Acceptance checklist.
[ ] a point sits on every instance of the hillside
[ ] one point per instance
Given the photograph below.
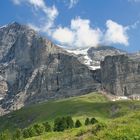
(92, 104)
(119, 114)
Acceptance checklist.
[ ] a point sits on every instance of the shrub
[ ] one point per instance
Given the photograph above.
(87, 121)
(5, 135)
(98, 127)
(47, 127)
(60, 124)
(70, 122)
(78, 124)
(39, 129)
(18, 135)
(26, 133)
(93, 121)
(35, 130)
(30, 132)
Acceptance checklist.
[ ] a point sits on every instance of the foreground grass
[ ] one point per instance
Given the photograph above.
(74, 133)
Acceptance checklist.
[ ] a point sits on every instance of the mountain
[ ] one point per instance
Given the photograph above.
(121, 75)
(33, 69)
(94, 55)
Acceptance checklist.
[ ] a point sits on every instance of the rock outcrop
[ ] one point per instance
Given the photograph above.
(121, 75)
(33, 69)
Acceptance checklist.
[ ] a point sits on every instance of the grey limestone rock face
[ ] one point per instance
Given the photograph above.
(121, 75)
(33, 69)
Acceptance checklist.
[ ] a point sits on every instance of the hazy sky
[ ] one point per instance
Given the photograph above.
(79, 23)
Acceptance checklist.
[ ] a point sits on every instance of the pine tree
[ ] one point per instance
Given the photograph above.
(18, 134)
(60, 124)
(93, 121)
(70, 122)
(78, 124)
(5, 135)
(47, 127)
(26, 133)
(39, 128)
(87, 121)
(32, 131)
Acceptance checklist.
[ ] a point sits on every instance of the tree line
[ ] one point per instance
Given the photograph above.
(60, 124)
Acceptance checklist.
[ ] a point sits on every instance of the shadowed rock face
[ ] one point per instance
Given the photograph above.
(121, 74)
(32, 69)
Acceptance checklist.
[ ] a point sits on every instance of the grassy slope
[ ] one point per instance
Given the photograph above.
(78, 107)
(90, 105)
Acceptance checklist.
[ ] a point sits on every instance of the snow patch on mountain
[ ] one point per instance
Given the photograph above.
(93, 56)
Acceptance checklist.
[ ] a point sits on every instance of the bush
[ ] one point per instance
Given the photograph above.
(5, 135)
(26, 133)
(47, 127)
(18, 135)
(78, 124)
(93, 121)
(34, 130)
(87, 121)
(29, 132)
(70, 122)
(39, 129)
(60, 124)
(98, 127)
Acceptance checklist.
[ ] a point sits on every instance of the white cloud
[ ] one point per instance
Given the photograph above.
(85, 35)
(17, 2)
(134, 0)
(37, 3)
(79, 34)
(134, 25)
(47, 21)
(116, 33)
(34, 27)
(73, 3)
(63, 35)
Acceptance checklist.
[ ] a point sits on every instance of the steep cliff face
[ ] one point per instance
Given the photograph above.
(32, 69)
(121, 75)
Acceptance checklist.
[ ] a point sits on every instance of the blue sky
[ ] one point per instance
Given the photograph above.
(79, 23)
